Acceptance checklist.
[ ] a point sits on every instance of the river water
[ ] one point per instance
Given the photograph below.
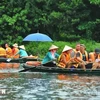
(48, 86)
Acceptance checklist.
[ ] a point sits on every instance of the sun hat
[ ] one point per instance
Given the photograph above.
(22, 47)
(53, 47)
(15, 45)
(97, 50)
(66, 48)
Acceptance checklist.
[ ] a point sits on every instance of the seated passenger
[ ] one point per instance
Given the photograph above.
(51, 57)
(15, 50)
(68, 61)
(84, 53)
(22, 52)
(8, 50)
(95, 58)
(64, 58)
(2, 52)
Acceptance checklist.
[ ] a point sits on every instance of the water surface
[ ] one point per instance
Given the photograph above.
(48, 86)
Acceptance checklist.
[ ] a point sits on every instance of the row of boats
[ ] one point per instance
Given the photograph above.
(41, 68)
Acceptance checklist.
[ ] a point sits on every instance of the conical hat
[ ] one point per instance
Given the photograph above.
(15, 45)
(66, 48)
(53, 47)
(22, 47)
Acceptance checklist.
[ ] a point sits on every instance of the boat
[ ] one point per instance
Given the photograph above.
(56, 69)
(18, 60)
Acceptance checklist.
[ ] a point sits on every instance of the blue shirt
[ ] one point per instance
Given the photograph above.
(49, 57)
(22, 53)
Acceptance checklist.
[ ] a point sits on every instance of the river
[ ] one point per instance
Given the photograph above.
(48, 86)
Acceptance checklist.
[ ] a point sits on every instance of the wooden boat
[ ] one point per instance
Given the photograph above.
(58, 70)
(18, 60)
(4, 65)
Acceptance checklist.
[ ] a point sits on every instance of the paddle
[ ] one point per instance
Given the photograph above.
(24, 70)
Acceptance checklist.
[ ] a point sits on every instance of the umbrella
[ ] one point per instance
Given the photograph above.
(37, 37)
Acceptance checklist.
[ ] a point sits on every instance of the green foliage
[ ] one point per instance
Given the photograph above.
(61, 20)
(97, 2)
(69, 37)
(41, 48)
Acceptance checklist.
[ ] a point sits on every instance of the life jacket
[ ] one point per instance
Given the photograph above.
(14, 51)
(76, 61)
(86, 55)
(75, 55)
(2, 52)
(78, 52)
(61, 62)
(92, 56)
(9, 52)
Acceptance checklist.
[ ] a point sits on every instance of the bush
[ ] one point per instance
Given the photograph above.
(41, 48)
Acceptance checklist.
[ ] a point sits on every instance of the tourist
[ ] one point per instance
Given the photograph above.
(15, 50)
(2, 52)
(64, 58)
(22, 52)
(51, 56)
(8, 50)
(94, 57)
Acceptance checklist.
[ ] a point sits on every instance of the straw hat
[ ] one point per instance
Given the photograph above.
(15, 45)
(22, 47)
(53, 47)
(66, 48)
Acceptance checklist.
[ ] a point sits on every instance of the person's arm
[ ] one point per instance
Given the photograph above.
(16, 53)
(78, 57)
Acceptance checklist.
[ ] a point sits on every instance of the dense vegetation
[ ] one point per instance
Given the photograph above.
(41, 48)
(62, 20)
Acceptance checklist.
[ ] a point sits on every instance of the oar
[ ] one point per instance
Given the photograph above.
(27, 69)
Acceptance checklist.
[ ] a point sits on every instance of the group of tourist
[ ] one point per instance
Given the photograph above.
(72, 58)
(15, 52)
(69, 57)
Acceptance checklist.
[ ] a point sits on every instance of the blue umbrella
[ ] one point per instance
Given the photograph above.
(37, 37)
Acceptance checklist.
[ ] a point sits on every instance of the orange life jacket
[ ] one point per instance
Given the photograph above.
(2, 52)
(62, 61)
(9, 52)
(75, 55)
(14, 51)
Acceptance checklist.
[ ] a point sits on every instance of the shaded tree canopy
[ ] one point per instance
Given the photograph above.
(64, 20)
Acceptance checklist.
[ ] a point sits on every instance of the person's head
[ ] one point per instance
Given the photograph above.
(53, 48)
(6, 45)
(82, 48)
(15, 45)
(67, 49)
(97, 51)
(77, 47)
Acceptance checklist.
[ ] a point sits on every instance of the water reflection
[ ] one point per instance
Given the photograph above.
(48, 86)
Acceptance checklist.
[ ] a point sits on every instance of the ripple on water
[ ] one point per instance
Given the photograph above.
(38, 86)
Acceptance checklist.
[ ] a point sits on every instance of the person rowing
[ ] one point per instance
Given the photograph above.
(49, 60)
(22, 52)
(51, 57)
